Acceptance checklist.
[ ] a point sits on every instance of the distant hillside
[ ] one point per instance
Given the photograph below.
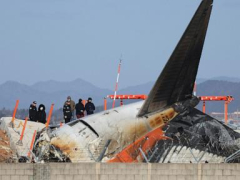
(146, 87)
(56, 92)
(49, 92)
(229, 79)
(220, 88)
(219, 78)
(76, 85)
(206, 88)
(11, 91)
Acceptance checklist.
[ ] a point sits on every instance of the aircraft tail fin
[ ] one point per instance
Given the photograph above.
(176, 82)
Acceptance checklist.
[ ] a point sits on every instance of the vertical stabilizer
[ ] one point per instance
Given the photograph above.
(176, 82)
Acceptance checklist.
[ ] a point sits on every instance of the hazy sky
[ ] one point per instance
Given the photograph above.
(68, 39)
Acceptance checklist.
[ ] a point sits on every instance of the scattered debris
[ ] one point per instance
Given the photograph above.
(14, 135)
(6, 153)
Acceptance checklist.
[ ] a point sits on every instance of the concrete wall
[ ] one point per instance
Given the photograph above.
(115, 171)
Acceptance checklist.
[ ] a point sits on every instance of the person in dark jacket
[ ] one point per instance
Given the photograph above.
(80, 109)
(72, 105)
(41, 114)
(67, 113)
(33, 111)
(90, 107)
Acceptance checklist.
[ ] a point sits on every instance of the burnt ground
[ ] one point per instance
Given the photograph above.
(6, 154)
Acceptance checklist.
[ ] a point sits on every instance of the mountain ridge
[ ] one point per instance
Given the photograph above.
(48, 92)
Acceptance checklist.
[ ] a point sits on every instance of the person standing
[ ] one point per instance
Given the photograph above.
(80, 109)
(41, 114)
(33, 111)
(90, 108)
(67, 113)
(72, 104)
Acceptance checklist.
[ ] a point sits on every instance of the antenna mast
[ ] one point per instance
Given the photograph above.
(116, 87)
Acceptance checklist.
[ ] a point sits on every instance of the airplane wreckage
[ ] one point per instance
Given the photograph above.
(154, 130)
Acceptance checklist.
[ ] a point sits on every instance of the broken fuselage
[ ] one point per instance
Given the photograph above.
(84, 139)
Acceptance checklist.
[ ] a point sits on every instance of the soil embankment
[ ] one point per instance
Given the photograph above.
(6, 154)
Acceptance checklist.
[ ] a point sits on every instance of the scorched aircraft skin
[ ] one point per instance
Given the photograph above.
(104, 135)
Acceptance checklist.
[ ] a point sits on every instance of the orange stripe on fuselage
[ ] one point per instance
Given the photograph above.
(132, 153)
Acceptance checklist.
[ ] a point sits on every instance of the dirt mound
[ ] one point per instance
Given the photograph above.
(6, 154)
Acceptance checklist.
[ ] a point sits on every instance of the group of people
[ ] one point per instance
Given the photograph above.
(37, 114)
(69, 107)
